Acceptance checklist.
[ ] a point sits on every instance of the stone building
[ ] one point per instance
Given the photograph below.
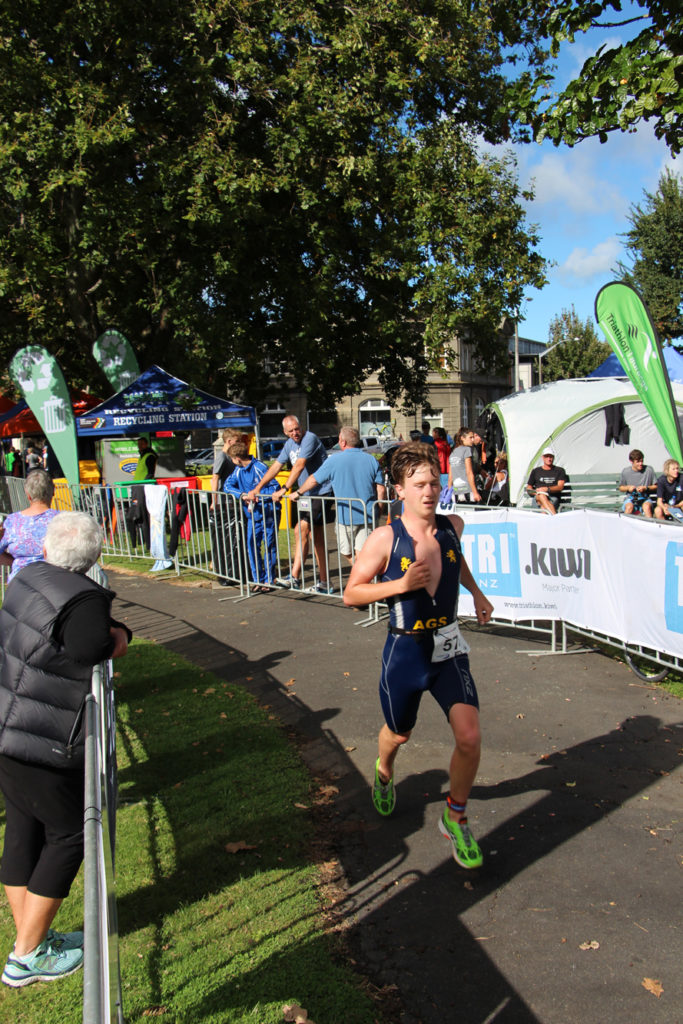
(457, 396)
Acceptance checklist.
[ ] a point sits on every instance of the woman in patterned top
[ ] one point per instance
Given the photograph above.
(23, 533)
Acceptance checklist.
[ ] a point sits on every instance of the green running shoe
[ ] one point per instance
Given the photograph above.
(463, 844)
(45, 963)
(383, 794)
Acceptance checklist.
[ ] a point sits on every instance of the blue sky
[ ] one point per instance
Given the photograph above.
(582, 199)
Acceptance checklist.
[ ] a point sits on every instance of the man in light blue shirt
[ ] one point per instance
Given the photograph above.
(356, 478)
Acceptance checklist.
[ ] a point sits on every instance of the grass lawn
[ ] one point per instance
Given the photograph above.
(219, 905)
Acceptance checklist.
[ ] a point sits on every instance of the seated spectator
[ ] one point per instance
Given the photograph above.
(496, 486)
(443, 448)
(460, 469)
(638, 484)
(55, 625)
(546, 483)
(23, 533)
(670, 492)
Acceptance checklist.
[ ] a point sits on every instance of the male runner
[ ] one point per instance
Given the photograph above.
(420, 563)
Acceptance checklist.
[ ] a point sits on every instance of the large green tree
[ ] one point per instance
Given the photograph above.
(576, 347)
(640, 80)
(229, 180)
(654, 243)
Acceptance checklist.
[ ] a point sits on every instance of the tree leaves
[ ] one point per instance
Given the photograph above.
(642, 79)
(297, 183)
(577, 351)
(653, 242)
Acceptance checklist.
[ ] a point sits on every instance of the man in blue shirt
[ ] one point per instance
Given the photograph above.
(357, 482)
(304, 452)
(261, 515)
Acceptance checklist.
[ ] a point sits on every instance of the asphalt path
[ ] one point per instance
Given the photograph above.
(578, 808)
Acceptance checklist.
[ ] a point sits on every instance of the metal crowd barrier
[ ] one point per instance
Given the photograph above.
(218, 535)
(102, 1000)
(223, 539)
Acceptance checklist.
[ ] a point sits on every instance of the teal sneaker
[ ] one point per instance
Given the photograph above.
(464, 846)
(383, 794)
(45, 963)
(321, 588)
(64, 940)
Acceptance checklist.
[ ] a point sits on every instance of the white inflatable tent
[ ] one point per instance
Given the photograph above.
(570, 416)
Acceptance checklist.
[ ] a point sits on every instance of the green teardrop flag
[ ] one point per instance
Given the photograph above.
(39, 377)
(624, 318)
(114, 353)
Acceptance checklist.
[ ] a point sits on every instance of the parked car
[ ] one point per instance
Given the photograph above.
(374, 445)
(271, 448)
(199, 461)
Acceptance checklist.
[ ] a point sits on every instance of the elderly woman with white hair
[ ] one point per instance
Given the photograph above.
(55, 625)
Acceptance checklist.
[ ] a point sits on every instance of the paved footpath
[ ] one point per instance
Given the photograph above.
(578, 807)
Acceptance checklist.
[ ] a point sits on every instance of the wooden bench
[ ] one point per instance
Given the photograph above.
(585, 490)
(593, 490)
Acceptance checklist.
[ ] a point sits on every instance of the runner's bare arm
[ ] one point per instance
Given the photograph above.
(372, 561)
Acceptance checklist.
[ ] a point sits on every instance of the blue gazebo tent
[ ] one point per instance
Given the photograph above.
(613, 368)
(157, 401)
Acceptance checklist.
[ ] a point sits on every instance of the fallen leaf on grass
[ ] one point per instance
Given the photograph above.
(238, 846)
(653, 985)
(326, 793)
(297, 1014)
(154, 1011)
(302, 807)
(590, 945)
(209, 689)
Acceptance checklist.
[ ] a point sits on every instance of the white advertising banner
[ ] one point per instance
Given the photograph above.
(608, 573)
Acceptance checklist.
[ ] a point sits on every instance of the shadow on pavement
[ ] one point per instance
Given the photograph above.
(409, 927)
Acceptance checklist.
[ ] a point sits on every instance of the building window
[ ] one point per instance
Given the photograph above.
(270, 419)
(466, 358)
(374, 415)
(465, 412)
(478, 408)
(434, 419)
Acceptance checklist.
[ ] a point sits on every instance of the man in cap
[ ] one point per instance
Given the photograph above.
(546, 483)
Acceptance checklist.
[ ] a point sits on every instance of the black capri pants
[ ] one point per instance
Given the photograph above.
(43, 827)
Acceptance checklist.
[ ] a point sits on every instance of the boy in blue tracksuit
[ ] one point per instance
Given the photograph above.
(261, 514)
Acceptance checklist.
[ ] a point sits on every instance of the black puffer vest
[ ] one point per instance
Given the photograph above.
(42, 691)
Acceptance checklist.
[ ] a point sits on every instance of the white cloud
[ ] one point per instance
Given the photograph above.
(570, 179)
(583, 264)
